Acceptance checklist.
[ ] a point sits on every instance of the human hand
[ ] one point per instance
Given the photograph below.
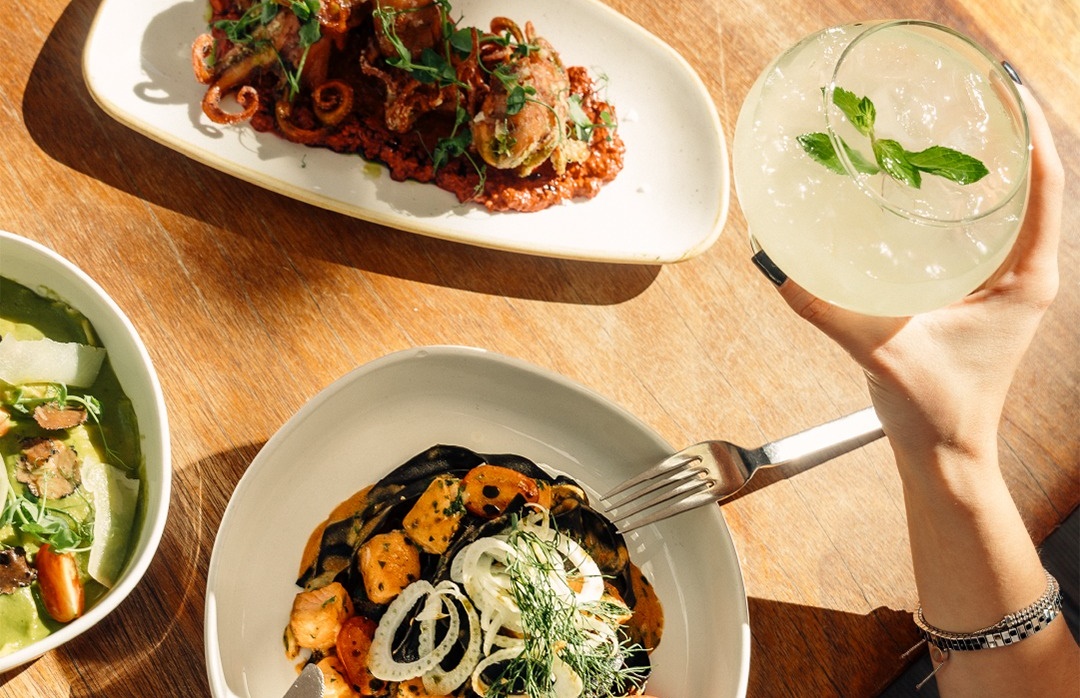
(938, 381)
(940, 378)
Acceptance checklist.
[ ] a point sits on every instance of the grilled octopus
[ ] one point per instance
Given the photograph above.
(344, 73)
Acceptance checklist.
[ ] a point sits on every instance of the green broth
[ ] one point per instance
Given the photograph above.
(25, 315)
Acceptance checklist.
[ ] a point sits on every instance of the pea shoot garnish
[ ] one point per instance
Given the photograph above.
(250, 29)
(32, 516)
(890, 156)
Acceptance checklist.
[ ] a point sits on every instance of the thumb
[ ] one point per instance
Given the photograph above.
(809, 307)
(853, 331)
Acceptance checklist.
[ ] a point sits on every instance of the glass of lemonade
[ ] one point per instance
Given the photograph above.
(884, 165)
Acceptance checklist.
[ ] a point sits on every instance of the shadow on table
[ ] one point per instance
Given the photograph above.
(157, 632)
(57, 108)
(824, 652)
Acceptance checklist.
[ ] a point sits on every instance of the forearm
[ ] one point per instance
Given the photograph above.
(974, 563)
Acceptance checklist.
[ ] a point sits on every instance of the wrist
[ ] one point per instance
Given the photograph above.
(956, 470)
(973, 558)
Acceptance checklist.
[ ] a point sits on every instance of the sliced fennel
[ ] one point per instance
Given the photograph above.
(48, 361)
(115, 498)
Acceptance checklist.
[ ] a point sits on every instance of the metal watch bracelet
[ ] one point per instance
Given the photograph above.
(1008, 631)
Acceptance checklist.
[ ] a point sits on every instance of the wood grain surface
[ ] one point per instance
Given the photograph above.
(250, 303)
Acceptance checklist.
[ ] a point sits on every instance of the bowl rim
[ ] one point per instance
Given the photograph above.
(108, 320)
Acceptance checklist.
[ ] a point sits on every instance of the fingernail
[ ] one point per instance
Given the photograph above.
(768, 268)
(1012, 72)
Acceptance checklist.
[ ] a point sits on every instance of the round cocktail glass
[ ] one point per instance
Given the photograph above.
(884, 165)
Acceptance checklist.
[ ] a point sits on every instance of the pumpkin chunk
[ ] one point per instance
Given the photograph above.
(434, 519)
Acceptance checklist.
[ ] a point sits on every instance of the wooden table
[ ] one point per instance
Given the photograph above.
(226, 281)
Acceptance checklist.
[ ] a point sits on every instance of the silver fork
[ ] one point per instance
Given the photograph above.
(714, 470)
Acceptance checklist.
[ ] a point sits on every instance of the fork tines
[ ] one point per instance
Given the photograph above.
(674, 479)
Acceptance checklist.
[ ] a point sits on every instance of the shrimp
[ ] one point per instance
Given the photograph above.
(317, 616)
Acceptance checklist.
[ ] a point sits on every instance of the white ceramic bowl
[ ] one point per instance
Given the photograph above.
(378, 415)
(44, 271)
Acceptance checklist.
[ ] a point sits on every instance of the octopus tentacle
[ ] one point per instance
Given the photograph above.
(470, 74)
(297, 134)
(332, 100)
(545, 46)
(500, 25)
(236, 75)
(247, 97)
(202, 49)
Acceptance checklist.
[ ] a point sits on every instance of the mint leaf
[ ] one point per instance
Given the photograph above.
(948, 163)
(819, 147)
(894, 159)
(859, 111)
(860, 163)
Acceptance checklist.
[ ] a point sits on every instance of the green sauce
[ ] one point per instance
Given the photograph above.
(26, 315)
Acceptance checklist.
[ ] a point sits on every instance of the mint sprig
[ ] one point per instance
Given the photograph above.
(903, 165)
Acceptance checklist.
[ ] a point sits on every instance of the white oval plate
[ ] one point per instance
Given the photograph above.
(375, 418)
(668, 204)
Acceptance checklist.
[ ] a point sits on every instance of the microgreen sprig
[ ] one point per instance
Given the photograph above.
(890, 156)
(25, 399)
(516, 93)
(243, 30)
(581, 123)
(247, 30)
(430, 67)
(30, 515)
(457, 143)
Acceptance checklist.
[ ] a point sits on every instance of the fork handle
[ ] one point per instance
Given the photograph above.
(821, 443)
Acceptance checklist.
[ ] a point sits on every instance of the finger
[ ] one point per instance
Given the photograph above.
(1036, 248)
(859, 334)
